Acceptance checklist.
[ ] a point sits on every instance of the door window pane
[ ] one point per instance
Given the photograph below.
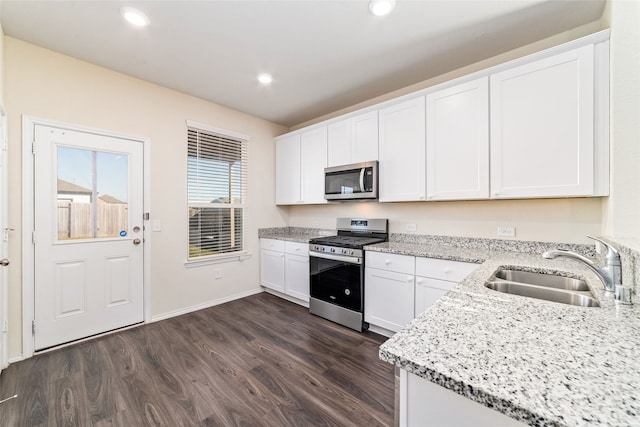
(92, 194)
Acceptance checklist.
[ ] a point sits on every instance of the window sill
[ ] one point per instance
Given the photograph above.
(239, 256)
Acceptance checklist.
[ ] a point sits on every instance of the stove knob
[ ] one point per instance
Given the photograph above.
(344, 251)
(333, 249)
(351, 252)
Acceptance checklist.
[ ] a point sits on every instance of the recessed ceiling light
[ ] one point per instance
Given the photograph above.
(265, 78)
(134, 16)
(381, 7)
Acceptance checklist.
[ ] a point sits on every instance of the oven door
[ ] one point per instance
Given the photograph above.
(337, 279)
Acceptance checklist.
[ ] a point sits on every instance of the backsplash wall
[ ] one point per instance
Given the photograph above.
(548, 220)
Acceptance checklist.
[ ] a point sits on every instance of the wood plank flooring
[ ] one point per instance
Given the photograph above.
(258, 361)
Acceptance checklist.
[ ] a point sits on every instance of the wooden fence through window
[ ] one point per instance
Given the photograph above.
(75, 221)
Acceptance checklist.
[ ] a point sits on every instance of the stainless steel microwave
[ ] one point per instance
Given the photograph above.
(351, 182)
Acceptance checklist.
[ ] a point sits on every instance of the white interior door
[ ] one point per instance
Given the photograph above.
(4, 237)
(88, 235)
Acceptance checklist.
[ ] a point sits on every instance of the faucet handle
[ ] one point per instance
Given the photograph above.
(612, 253)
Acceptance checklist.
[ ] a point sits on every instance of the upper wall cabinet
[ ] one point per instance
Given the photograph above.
(402, 151)
(458, 142)
(353, 140)
(542, 127)
(288, 170)
(300, 163)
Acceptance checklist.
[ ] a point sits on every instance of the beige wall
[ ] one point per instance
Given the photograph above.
(553, 220)
(50, 85)
(622, 209)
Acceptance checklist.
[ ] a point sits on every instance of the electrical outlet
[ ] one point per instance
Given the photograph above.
(218, 274)
(506, 231)
(156, 225)
(411, 227)
(316, 223)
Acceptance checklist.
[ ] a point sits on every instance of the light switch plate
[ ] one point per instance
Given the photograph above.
(156, 225)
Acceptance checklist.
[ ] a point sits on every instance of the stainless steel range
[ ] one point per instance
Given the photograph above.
(336, 266)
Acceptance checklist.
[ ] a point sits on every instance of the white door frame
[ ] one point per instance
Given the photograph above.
(28, 258)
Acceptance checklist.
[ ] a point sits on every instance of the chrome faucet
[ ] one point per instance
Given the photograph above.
(610, 274)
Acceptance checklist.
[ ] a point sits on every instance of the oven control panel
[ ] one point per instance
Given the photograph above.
(335, 250)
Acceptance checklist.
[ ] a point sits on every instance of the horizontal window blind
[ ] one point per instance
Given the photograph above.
(217, 187)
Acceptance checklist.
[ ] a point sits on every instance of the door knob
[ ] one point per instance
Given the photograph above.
(4, 262)
(136, 241)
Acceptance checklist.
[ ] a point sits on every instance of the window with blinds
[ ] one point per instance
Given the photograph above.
(217, 182)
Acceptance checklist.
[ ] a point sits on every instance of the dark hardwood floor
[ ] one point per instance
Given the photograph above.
(258, 361)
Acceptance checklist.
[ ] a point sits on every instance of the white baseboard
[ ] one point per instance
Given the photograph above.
(16, 359)
(204, 305)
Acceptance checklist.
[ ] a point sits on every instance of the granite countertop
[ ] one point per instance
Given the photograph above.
(543, 363)
(293, 234)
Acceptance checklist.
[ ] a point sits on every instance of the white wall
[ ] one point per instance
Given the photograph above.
(552, 220)
(622, 209)
(50, 85)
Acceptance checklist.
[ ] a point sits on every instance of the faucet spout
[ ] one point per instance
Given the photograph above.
(610, 274)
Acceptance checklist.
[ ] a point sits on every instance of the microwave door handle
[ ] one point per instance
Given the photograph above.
(362, 189)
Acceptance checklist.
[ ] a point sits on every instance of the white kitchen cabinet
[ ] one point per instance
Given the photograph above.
(542, 127)
(389, 290)
(434, 277)
(297, 270)
(300, 163)
(272, 264)
(458, 142)
(353, 140)
(402, 151)
(313, 160)
(284, 268)
(425, 403)
(288, 170)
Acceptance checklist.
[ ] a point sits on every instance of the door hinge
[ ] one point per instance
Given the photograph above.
(145, 216)
(5, 326)
(33, 327)
(5, 144)
(33, 147)
(33, 237)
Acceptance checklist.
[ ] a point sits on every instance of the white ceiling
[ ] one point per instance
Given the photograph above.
(324, 55)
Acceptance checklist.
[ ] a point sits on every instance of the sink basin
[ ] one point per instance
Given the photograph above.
(579, 298)
(542, 279)
(549, 287)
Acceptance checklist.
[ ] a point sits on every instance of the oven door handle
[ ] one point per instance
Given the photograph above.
(349, 259)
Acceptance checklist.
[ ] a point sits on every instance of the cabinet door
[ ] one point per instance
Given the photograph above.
(272, 270)
(288, 170)
(313, 155)
(297, 277)
(388, 298)
(428, 291)
(339, 143)
(458, 142)
(364, 137)
(542, 121)
(402, 151)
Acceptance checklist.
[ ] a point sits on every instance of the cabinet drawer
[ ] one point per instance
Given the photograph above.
(390, 262)
(272, 244)
(452, 271)
(295, 248)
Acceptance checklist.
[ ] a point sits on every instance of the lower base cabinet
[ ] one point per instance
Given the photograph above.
(284, 268)
(423, 403)
(398, 288)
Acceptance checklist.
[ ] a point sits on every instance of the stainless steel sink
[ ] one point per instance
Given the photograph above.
(542, 279)
(549, 287)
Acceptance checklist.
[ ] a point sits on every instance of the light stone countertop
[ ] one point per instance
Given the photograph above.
(293, 234)
(543, 363)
